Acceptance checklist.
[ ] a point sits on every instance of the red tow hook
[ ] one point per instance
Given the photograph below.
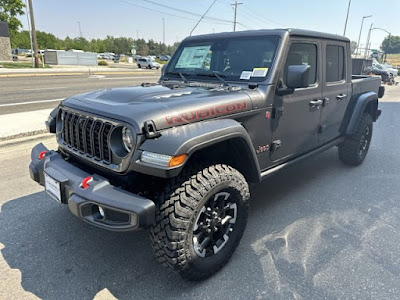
(85, 182)
(42, 154)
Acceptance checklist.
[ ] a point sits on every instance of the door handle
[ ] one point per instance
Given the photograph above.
(316, 103)
(341, 97)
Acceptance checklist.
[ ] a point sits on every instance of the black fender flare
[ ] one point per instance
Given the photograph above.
(356, 108)
(191, 138)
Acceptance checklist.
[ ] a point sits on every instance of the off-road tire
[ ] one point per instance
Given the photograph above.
(178, 209)
(354, 149)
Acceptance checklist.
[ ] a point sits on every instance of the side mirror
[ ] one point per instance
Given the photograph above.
(297, 76)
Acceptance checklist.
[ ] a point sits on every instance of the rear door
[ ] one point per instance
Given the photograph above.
(295, 131)
(336, 89)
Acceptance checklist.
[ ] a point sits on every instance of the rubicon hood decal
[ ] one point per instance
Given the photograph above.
(195, 115)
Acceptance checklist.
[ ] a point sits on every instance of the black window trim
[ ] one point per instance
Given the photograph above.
(318, 75)
(344, 80)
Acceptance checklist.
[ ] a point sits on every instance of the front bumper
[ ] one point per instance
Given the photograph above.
(124, 211)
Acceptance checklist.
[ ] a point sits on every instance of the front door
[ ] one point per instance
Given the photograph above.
(297, 116)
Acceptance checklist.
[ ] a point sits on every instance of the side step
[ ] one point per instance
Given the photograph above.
(277, 168)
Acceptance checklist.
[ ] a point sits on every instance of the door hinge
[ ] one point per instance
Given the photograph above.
(277, 112)
(276, 145)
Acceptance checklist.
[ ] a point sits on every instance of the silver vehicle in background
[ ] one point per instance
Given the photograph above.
(147, 63)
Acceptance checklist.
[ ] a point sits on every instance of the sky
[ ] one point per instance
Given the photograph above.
(144, 18)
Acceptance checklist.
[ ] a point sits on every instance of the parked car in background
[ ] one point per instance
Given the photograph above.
(164, 58)
(116, 58)
(392, 70)
(147, 63)
(378, 69)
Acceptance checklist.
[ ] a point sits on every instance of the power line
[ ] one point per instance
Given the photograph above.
(202, 17)
(169, 14)
(262, 18)
(185, 11)
(244, 26)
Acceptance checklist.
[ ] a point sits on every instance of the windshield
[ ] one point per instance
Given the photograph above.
(238, 58)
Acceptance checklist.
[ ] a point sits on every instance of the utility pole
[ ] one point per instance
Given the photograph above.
(30, 33)
(80, 31)
(235, 5)
(163, 26)
(359, 36)
(385, 57)
(34, 39)
(137, 34)
(367, 43)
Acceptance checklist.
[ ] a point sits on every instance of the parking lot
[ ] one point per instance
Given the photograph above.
(317, 230)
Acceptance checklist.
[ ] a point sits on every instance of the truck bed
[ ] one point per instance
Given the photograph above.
(361, 84)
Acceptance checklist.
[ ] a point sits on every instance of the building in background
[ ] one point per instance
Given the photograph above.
(5, 45)
(75, 58)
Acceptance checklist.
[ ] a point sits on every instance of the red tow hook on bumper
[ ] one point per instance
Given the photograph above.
(42, 154)
(86, 181)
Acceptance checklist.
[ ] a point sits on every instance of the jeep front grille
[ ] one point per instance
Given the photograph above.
(86, 135)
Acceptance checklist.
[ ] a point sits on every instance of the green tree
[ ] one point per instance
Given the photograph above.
(391, 45)
(9, 12)
(141, 47)
(48, 40)
(21, 40)
(119, 45)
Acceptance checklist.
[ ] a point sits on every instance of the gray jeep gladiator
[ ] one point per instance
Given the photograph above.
(177, 157)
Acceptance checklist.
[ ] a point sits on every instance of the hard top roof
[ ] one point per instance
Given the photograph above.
(280, 32)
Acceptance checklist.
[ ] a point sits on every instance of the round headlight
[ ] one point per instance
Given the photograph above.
(128, 138)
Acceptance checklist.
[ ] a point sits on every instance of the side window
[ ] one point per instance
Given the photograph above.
(335, 63)
(303, 54)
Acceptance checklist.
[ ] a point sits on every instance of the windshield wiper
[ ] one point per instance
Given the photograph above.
(214, 74)
(180, 74)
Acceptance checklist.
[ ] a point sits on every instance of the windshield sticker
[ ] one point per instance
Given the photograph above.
(259, 72)
(246, 75)
(193, 57)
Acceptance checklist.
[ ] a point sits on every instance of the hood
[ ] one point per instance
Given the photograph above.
(166, 106)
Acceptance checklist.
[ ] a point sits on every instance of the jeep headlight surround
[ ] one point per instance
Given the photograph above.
(123, 141)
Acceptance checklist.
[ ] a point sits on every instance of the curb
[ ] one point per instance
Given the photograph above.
(78, 73)
(25, 139)
(24, 135)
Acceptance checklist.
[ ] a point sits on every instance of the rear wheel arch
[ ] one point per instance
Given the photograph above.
(367, 102)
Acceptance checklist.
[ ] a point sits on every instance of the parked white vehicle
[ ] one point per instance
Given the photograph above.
(392, 70)
(147, 63)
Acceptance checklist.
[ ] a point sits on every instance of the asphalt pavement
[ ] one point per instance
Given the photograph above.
(21, 94)
(317, 230)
